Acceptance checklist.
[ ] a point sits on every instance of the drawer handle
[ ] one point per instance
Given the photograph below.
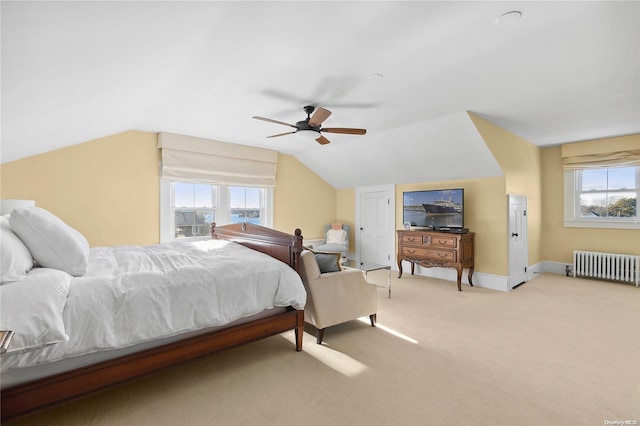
(412, 239)
(442, 242)
(442, 255)
(411, 251)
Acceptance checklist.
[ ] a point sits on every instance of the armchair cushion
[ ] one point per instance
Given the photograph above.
(336, 236)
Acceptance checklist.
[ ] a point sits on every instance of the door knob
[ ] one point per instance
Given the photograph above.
(514, 234)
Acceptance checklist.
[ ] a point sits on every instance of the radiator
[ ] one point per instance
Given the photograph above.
(607, 266)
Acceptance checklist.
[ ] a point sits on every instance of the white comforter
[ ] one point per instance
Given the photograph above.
(134, 294)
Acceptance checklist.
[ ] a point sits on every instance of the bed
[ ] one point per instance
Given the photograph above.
(30, 384)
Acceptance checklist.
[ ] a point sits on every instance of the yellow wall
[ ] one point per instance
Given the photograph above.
(521, 164)
(108, 189)
(302, 199)
(346, 213)
(481, 196)
(559, 242)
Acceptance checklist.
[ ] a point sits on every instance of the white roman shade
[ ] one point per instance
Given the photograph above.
(194, 159)
(623, 151)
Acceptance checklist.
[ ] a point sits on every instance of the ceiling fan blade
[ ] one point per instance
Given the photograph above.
(344, 130)
(322, 140)
(273, 121)
(319, 116)
(281, 134)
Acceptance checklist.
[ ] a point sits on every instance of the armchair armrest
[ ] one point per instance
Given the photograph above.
(341, 296)
(350, 278)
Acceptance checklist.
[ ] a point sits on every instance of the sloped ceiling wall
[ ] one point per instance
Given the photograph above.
(445, 148)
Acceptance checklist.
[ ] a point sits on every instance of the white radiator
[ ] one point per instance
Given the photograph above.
(608, 266)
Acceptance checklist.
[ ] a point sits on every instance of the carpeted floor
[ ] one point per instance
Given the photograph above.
(554, 351)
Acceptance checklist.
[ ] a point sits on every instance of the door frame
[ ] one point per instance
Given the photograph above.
(391, 211)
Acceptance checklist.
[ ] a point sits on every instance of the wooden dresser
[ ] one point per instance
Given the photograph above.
(433, 248)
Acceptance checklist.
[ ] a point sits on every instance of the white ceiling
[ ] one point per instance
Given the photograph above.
(405, 71)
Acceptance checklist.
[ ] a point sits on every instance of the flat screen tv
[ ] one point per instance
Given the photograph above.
(439, 208)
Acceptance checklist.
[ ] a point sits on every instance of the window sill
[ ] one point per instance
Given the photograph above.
(189, 239)
(607, 224)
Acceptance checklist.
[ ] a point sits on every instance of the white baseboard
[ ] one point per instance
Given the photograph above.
(480, 279)
(556, 267)
(312, 242)
(486, 280)
(535, 269)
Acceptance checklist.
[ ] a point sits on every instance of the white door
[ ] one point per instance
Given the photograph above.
(518, 253)
(375, 235)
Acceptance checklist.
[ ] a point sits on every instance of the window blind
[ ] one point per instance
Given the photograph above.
(622, 151)
(194, 159)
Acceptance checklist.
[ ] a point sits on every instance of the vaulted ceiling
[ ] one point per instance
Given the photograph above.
(405, 71)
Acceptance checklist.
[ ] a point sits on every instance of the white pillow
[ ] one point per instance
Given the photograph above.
(15, 259)
(336, 236)
(33, 309)
(53, 243)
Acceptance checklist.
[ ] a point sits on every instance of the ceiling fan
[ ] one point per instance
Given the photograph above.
(312, 125)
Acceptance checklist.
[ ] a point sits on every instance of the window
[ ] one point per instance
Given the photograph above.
(188, 209)
(602, 197)
(193, 209)
(245, 205)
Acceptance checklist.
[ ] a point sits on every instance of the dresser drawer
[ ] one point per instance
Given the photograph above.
(443, 241)
(411, 239)
(425, 253)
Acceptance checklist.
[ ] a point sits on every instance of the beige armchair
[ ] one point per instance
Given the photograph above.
(335, 297)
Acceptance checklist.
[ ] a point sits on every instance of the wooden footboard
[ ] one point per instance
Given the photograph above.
(43, 393)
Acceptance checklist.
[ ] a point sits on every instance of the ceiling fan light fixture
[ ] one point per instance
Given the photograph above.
(308, 134)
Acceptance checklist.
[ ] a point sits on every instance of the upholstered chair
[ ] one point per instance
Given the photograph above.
(335, 297)
(336, 239)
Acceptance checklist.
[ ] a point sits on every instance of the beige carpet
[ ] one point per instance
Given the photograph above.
(554, 351)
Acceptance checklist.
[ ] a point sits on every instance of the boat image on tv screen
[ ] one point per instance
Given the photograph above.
(443, 208)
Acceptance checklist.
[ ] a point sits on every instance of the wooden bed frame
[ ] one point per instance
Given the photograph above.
(39, 394)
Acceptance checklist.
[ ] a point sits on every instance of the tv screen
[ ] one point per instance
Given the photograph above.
(440, 208)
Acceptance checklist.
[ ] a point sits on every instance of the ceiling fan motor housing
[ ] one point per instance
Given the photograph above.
(304, 125)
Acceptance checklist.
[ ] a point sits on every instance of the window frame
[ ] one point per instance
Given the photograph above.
(572, 218)
(222, 208)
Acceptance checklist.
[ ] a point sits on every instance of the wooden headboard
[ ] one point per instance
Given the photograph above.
(279, 245)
